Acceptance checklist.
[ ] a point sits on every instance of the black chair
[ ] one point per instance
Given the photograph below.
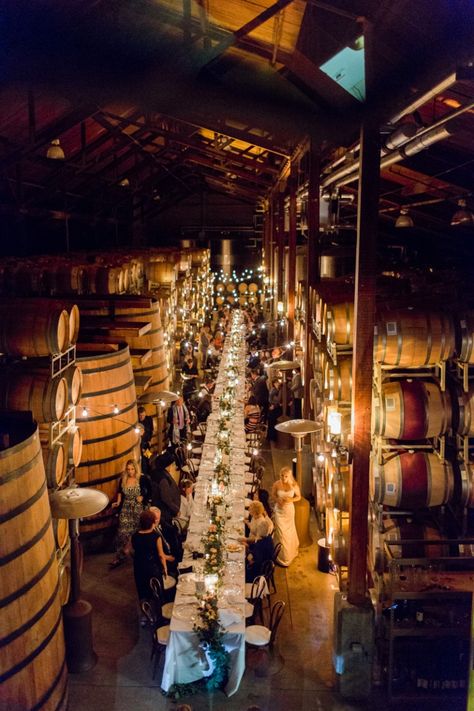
(163, 609)
(260, 635)
(160, 633)
(276, 553)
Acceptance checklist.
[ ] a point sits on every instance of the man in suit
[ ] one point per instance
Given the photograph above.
(260, 392)
(166, 493)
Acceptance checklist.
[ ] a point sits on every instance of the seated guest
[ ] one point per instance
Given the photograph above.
(167, 534)
(252, 415)
(187, 501)
(263, 496)
(259, 541)
(274, 408)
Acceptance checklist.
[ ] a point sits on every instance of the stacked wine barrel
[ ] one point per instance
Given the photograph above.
(412, 410)
(33, 669)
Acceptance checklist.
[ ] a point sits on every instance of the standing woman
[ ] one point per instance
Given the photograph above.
(149, 559)
(285, 492)
(134, 495)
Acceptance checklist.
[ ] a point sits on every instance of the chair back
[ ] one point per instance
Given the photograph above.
(177, 524)
(156, 589)
(267, 570)
(276, 551)
(180, 456)
(258, 588)
(275, 618)
(149, 613)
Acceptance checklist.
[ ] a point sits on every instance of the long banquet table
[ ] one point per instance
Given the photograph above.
(186, 661)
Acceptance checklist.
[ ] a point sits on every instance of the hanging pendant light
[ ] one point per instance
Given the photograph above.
(55, 152)
(463, 217)
(404, 219)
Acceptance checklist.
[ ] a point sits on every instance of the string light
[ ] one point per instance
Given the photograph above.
(85, 412)
(116, 410)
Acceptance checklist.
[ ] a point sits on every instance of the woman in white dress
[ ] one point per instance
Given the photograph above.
(285, 492)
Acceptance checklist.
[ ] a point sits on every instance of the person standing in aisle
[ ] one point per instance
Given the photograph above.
(178, 417)
(204, 343)
(274, 408)
(297, 391)
(260, 392)
(285, 492)
(133, 497)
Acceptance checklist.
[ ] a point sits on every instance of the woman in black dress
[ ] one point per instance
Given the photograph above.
(149, 559)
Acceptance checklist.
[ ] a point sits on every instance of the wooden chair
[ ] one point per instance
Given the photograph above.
(260, 635)
(254, 604)
(160, 634)
(165, 608)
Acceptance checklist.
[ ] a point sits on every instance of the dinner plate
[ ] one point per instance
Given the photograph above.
(186, 613)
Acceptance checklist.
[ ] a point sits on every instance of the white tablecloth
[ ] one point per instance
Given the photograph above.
(185, 660)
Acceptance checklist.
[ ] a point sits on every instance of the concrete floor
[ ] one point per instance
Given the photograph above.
(298, 675)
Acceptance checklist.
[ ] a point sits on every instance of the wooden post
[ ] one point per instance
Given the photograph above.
(281, 242)
(362, 362)
(291, 277)
(312, 264)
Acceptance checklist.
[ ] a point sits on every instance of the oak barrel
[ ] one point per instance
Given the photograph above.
(412, 410)
(61, 531)
(337, 536)
(54, 458)
(64, 583)
(33, 672)
(44, 396)
(465, 337)
(31, 328)
(339, 323)
(465, 411)
(410, 530)
(73, 446)
(413, 338)
(338, 379)
(73, 377)
(108, 439)
(412, 480)
(161, 272)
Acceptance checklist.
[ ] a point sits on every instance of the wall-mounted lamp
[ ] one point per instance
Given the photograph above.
(463, 217)
(280, 307)
(334, 422)
(404, 219)
(55, 152)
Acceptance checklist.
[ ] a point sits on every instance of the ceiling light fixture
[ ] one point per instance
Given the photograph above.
(55, 152)
(404, 219)
(463, 217)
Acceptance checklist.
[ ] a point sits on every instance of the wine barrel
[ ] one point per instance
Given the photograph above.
(242, 287)
(161, 272)
(137, 309)
(61, 531)
(64, 584)
(465, 337)
(465, 410)
(220, 300)
(44, 396)
(253, 288)
(28, 327)
(73, 446)
(108, 439)
(405, 530)
(464, 484)
(337, 536)
(220, 287)
(32, 661)
(319, 493)
(339, 486)
(413, 338)
(54, 458)
(412, 410)
(74, 324)
(338, 379)
(67, 278)
(73, 378)
(339, 323)
(412, 480)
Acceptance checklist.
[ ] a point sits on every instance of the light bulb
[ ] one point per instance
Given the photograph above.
(116, 410)
(84, 412)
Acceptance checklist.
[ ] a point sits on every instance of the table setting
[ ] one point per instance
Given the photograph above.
(207, 629)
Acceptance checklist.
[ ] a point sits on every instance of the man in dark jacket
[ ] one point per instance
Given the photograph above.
(166, 492)
(260, 392)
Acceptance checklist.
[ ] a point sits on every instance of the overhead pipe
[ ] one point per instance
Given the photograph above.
(424, 138)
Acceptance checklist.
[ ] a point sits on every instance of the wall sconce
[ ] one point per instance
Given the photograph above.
(280, 307)
(55, 152)
(334, 422)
